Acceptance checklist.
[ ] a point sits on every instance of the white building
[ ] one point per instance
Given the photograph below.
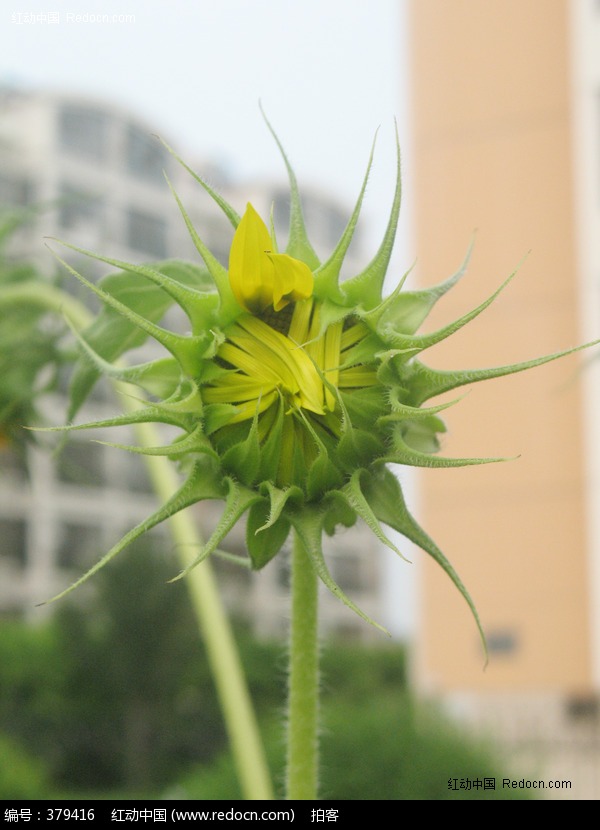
(97, 172)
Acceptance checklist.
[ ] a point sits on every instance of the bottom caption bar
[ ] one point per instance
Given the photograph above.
(89, 812)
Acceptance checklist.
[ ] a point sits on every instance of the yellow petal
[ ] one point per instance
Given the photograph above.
(293, 280)
(277, 352)
(300, 323)
(332, 338)
(259, 276)
(250, 269)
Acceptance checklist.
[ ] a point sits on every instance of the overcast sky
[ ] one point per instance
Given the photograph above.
(328, 73)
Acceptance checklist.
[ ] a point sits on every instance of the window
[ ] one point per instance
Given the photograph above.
(14, 535)
(15, 190)
(146, 233)
(324, 221)
(145, 156)
(14, 465)
(78, 207)
(81, 463)
(281, 211)
(135, 478)
(348, 572)
(78, 546)
(83, 131)
(502, 642)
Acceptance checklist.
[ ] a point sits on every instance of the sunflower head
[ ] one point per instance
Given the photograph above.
(293, 391)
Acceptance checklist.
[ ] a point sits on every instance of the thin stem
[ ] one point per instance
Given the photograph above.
(45, 296)
(303, 685)
(224, 660)
(227, 671)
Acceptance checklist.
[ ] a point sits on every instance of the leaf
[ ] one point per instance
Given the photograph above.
(389, 331)
(426, 383)
(278, 498)
(190, 445)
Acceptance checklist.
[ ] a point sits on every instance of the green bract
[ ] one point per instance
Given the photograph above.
(292, 392)
(30, 351)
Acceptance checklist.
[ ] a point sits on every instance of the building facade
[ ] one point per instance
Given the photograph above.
(505, 142)
(95, 176)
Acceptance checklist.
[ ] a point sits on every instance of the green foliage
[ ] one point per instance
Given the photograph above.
(22, 776)
(397, 751)
(29, 344)
(114, 695)
(115, 692)
(381, 745)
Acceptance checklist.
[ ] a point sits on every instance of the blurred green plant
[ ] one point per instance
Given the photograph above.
(33, 310)
(114, 696)
(115, 690)
(31, 343)
(23, 776)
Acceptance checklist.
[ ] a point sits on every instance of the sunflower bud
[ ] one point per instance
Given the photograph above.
(293, 392)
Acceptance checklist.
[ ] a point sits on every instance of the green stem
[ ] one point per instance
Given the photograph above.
(45, 296)
(226, 667)
(303, 686)
(214, 626)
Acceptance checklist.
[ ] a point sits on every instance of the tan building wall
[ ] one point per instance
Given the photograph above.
(492, 151)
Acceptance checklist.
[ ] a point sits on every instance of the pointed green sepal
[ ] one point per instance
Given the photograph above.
(238, 500)
(354, 495)
(309, 525)
(203, 483)
(227, 209)
(402, 453)
(264, 539)
(298, 245)
(327, 275)
(193, 444)
(365, 289)
(384, 494)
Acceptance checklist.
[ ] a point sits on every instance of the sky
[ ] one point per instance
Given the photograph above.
(329, 75)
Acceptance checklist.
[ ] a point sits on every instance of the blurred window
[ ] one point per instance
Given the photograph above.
(134, 476)
(79, 207)
(146, 233)
(84, 131)
(13, 533)
(502, 642)
(15, 190)
(145, 156)
(323, 220)
(81, 463)
(78, 546)
(347, 570)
